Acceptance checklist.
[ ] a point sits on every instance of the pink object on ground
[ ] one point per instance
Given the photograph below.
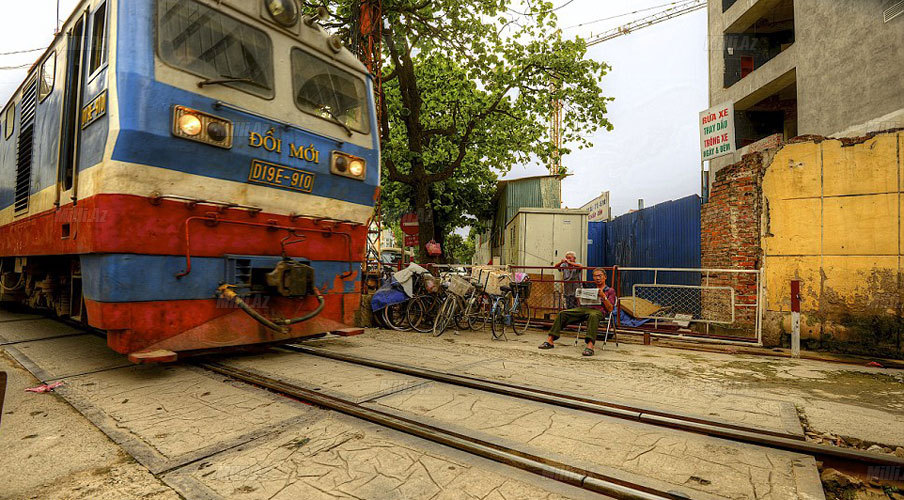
(44, 388)
(875, 364)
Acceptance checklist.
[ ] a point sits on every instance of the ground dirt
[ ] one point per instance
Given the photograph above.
(48, 450)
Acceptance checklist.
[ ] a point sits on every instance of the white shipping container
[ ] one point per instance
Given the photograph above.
(541, 236)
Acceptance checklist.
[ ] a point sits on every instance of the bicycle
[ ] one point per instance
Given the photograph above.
(476, 306)
(511, 309)
(452, 307)
(422, 308)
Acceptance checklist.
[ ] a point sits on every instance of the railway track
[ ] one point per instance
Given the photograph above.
(543, 466)
(689, 423)
(850, 460)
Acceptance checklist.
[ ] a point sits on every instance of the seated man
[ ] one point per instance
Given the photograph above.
(591, 314)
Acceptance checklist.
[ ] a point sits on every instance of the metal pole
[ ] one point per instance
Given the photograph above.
(795, 318)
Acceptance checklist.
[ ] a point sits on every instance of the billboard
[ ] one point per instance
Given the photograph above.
(717, 131)
(599, 208)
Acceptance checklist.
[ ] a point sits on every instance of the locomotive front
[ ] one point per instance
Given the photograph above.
(242, 170)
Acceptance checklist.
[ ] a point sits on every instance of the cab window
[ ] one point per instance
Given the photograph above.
(214, 46)
(9, 120)
(324, 90)
(48, 75)
(98, 39)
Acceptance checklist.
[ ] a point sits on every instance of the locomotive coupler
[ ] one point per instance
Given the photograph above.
(291, 278)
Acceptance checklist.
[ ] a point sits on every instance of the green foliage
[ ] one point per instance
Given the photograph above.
(458, 249)
(468, 93)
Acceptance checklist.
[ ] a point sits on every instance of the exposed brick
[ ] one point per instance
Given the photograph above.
(730, 236)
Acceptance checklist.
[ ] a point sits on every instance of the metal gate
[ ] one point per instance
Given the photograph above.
(720, 304)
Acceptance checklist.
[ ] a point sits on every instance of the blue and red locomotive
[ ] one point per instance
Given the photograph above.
(189, 174)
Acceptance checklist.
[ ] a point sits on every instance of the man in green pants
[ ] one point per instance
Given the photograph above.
(591, 314)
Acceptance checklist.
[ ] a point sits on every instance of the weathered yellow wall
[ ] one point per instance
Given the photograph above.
(833, 219)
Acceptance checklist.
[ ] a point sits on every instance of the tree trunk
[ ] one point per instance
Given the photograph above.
(425, 220)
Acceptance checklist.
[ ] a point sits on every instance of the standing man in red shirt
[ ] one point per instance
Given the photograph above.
(592, 314)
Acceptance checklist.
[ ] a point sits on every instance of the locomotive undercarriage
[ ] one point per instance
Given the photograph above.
(47, 284)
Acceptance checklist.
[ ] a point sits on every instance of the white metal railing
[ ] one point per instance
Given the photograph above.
(722, 297)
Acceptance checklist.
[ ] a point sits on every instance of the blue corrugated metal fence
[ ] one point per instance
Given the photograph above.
(664, 235)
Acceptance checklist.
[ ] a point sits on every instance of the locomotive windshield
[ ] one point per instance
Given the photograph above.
(210, 44)
(329, 92)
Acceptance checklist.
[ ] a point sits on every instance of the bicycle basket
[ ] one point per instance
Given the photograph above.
(522, 289)
(459, 286)
(496, 281)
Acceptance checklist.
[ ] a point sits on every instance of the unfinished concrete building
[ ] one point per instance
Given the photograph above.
(802, 67)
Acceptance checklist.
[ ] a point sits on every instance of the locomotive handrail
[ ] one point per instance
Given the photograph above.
(271, 225)
(193, 202)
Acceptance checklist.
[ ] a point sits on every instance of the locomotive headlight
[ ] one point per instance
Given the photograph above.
(197, 126)
(190, 125)
(356, 168)
(347, 165)
(285, 12)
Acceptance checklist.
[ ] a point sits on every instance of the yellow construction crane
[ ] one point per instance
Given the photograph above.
(669, 11)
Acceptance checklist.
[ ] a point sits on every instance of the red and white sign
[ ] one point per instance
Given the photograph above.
(409, 224)
(717, 131)
(411, 240)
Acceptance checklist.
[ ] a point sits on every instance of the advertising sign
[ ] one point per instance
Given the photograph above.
(717, 131)
(599, 208)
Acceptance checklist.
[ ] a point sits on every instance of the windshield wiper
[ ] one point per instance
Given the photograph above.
(232, 79)
(327, 110)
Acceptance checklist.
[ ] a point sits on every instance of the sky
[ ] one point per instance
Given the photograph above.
(658, 79)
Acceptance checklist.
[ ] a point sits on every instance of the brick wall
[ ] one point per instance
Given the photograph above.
(730, 239)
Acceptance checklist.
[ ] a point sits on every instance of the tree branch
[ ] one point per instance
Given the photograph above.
(447, 172)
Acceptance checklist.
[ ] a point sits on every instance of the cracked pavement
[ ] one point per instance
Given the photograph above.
(338, 457)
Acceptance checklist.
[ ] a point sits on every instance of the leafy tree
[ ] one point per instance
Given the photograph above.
(458, 249)
(468, 94)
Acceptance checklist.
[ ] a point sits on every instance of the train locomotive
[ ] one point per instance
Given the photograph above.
(188, 175)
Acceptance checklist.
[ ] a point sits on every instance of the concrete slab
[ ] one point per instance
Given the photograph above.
(59, 358)
(870, 425)
(699, 382)
(48, 450)
(167, 416)
(27, 330)
(408, 349)
(699, 464)
(350, 381)
(340, 457)
(578, 377)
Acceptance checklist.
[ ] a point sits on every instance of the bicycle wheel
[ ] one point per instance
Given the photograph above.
(521, 317)
(479, 312)
(461, 318)
(396, 317)
(444, 316)
(421, 312)
(497, 319)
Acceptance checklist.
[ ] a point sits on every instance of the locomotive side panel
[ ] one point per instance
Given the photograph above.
(168, 240)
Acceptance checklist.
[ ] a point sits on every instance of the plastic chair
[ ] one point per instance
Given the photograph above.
(610, 326)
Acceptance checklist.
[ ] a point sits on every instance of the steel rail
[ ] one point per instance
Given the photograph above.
(688, 423)
(542, 466)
